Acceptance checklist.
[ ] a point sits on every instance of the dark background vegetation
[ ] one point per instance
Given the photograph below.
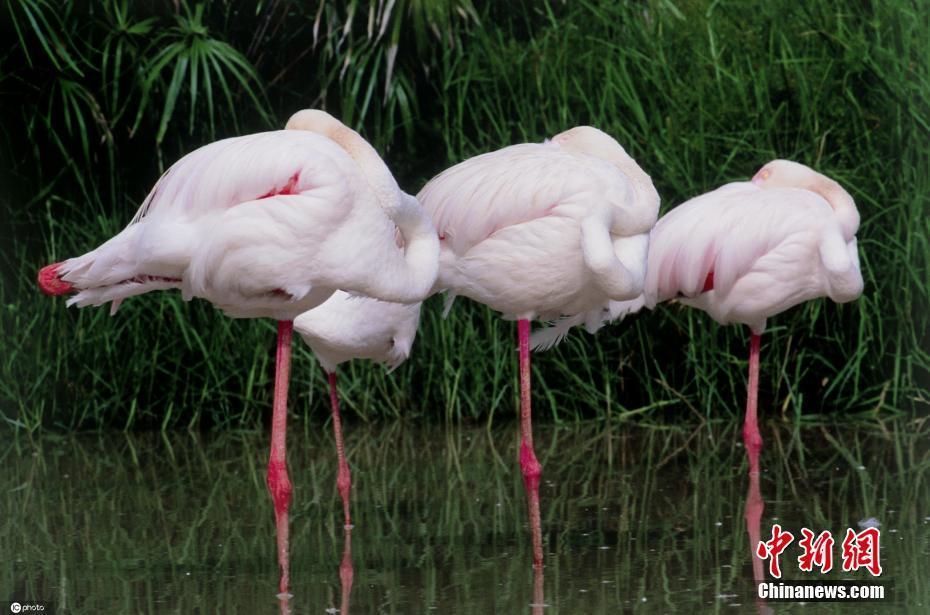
(98, 97)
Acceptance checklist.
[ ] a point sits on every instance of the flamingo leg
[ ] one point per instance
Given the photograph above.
(751, 437)
(344, 477)
(528, 463)
(279, 484)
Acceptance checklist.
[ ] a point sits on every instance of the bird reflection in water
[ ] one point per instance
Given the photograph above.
(284, 602)
(346, 578)
(754, 509)
(346, 572)
(539, 602)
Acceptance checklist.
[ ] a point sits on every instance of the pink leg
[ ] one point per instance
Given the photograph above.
(528, 463)
(278, 482)
(751, 437)
(344, 478)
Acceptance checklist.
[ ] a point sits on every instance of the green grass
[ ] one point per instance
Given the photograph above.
(700, 93)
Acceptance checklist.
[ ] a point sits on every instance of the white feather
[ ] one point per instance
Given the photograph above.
(547, 337)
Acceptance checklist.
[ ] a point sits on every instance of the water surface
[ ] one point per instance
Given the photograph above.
(634, 519)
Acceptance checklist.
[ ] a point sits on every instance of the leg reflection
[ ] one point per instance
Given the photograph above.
(284, 604)
(754, 508)
(539, 601)
(346, 572)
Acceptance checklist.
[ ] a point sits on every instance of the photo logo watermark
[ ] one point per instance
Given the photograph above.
(859, 550)
(820, 591)
(17, 607)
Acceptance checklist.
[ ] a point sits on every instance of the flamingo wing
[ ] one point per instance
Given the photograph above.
(245, 212)
(474, 199)
(225, 173)
(710, 241)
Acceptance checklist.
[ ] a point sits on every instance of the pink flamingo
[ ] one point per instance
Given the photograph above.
(750, 250)
(266, 226)
(540, 231)
(346, 328)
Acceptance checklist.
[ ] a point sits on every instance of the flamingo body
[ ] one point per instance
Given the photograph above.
(765, 248)
(515, 225)
(265, 225)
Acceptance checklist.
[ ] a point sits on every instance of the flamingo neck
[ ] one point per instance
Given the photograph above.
(374, 169)
(844, 208)
(645, 194)
(372, 166)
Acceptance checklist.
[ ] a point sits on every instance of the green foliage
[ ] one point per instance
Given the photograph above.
(360, 51)
(188, 53)
(700, 93)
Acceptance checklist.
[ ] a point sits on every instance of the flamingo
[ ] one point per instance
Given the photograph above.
(542, 230)
(347, 327)
(748, 251)
(267, 225)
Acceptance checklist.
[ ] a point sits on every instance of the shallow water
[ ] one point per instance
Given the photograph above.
(635, 520)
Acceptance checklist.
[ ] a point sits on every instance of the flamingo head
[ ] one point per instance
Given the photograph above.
(404, 336)
(593, 142)
(590, 140)
(784, 174)
(314, 120)
(399, 351)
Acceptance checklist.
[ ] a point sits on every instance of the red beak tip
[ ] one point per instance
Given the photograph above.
(50, 283)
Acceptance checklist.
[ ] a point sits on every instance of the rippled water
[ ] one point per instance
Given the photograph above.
(644, 520)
